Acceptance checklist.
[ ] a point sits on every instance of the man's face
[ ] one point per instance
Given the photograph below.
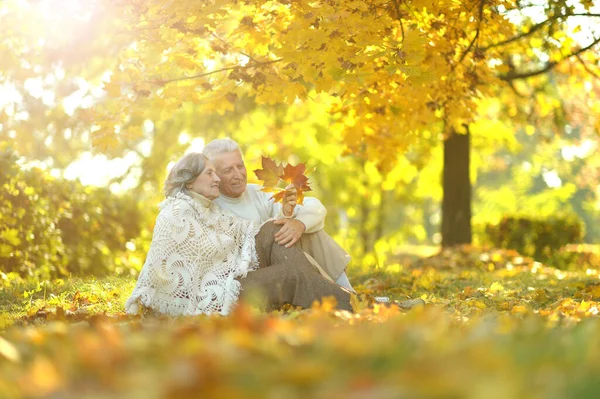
(232, 171)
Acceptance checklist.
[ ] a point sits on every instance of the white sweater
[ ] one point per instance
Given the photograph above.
(254, 204)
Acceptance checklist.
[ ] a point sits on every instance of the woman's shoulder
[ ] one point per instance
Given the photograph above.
(175, 205)
(173, 202)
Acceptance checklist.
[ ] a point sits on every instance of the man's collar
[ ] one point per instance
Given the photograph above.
(232, 200)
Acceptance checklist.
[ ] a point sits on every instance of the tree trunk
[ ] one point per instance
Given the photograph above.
(456, 206)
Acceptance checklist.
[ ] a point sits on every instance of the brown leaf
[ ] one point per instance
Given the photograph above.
(295, 175)
(278, 196)
(272, 174)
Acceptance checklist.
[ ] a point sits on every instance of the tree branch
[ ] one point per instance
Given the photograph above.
(535, 28)
(396, 8)
(511, 84)
(239, 52)
(462, 57)
(399, 15)
(163, 82)
(587, 68)
(513, 75)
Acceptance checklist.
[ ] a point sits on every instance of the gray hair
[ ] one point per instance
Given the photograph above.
(220, 146)
(184, 172)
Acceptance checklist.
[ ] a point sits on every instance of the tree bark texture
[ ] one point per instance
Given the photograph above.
(456, 205)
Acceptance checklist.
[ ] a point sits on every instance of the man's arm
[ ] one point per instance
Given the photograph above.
(306, 218)
(312, 213)
(292, 228)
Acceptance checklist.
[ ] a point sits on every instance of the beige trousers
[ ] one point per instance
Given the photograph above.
(286, 276)
(329, 255)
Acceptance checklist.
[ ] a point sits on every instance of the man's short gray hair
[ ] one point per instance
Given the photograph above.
(184, 172)
(220, 146)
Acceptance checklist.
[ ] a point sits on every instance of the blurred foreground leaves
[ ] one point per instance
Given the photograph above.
(498, 325)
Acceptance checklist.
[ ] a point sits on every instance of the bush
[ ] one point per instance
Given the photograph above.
(54, 227)
(577, 257)
(29, 235)
(539, 238)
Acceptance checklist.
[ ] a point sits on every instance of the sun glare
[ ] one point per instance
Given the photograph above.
(98, 170)
(70, 11)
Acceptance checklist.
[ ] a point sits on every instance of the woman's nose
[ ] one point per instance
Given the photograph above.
(216, 178)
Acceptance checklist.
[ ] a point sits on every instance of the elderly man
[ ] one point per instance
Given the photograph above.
(304, 228)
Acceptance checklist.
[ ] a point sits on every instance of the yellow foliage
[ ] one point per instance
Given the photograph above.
(418, 70)
(496, 287)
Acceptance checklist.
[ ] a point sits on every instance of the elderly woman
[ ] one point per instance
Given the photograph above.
(203, 258)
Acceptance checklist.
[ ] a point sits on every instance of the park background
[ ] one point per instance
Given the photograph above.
(455, 145)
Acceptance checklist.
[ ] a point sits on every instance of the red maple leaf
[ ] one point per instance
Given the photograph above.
(278, 196)
(275, 178)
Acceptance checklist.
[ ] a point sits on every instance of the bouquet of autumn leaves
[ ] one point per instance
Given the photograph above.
(277, 179)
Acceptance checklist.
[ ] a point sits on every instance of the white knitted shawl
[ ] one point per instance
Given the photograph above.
(195, 255)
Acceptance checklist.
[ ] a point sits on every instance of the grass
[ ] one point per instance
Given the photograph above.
(22, 299)
(497, 325)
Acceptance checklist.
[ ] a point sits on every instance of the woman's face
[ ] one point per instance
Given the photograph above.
(207, 182)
